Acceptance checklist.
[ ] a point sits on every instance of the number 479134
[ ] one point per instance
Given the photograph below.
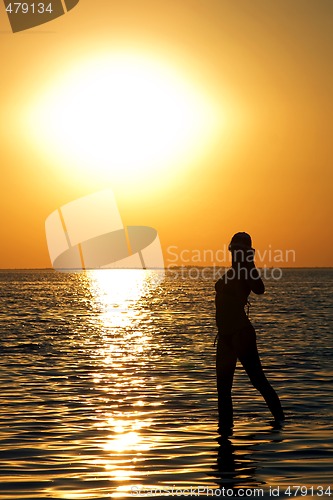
(25, 8)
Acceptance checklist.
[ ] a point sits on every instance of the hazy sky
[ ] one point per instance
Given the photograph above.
(257, 79)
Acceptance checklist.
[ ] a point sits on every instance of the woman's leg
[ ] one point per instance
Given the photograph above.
(249, 357)
(226, 360)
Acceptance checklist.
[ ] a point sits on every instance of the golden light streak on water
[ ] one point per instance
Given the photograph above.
(115, 293)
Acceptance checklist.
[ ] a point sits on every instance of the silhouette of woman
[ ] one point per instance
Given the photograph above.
(236, 335)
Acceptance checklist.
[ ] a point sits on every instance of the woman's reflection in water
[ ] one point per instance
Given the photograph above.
(238, 463)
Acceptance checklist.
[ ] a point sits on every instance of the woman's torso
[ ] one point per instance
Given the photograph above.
(231, 298)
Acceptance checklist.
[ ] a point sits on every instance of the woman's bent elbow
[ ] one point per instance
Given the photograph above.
(258, 288)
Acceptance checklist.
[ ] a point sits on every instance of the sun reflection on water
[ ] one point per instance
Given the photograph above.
(114, 291)
(119, 296)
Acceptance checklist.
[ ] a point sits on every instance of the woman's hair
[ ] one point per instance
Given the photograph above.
(241, 248)
(240, 241)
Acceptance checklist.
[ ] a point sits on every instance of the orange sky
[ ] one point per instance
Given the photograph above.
(266, 68)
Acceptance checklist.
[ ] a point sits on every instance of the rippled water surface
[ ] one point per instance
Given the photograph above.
(108, 387)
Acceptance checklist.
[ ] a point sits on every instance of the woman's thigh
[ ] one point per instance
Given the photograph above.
(248, 355)
(226, 359)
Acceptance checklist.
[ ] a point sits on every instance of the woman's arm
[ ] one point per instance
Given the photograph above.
(254, 280)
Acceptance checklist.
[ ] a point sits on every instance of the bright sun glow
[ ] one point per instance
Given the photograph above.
(123, 115)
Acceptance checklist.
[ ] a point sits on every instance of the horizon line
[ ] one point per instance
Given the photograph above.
(152, 269)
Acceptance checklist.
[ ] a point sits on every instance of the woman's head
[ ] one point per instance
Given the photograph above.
(240, 247)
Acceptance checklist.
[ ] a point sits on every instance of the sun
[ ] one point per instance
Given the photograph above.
(122, 115)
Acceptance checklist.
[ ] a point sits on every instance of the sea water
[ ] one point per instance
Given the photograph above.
(108, 388)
